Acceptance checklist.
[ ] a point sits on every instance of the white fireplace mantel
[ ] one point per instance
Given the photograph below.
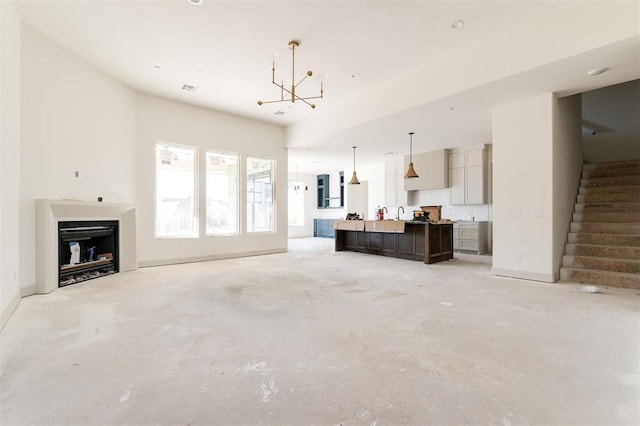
(50, 212)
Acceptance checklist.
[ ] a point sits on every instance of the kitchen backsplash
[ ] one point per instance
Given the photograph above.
(441, 198)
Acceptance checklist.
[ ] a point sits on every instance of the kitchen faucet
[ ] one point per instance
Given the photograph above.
(398, 214)
(384, 210)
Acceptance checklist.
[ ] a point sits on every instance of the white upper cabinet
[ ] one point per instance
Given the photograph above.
(468, 175)
(432, 169)
(394, 193)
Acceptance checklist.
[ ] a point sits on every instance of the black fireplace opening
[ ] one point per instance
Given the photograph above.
(87, 250)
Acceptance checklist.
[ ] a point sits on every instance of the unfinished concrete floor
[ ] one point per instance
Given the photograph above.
(318, 337)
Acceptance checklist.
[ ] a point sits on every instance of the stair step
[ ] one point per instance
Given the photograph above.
(607, 197)
(606, 228)
(607, 207)
(610, 172)
(611, 181)
(630, 266)
(611, 165)
(608, 239)
(608, 189)
(597, 250)
(603, 278)
(607, 217)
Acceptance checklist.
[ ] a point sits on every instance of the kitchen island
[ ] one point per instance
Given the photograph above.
(406, 239)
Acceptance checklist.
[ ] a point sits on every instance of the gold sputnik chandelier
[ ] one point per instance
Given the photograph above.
(287, 95)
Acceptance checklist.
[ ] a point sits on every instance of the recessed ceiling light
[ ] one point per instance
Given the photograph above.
(196, 2)
(454, 108)
(157, 66)
(457, 24)
(598, 71)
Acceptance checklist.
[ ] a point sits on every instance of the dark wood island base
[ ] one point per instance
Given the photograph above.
(424, 241)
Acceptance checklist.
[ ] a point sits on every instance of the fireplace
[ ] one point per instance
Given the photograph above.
(109, 227)
(87, 250)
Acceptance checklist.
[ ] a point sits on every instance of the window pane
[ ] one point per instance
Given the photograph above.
(222, 193)
(176, 214)
(296, 203)
(260, 194)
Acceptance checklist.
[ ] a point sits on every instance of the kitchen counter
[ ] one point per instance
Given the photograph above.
(406, 239)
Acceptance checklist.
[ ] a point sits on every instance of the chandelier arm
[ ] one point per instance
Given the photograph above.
(289, 92)
(305, 101)
(303, 79)
(276, 101)
(298, 97)
(282, 89)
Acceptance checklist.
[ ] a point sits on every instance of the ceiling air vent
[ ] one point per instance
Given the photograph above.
(189, 88)
(279, 113)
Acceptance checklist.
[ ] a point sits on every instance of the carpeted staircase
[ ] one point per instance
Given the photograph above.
(603, 247)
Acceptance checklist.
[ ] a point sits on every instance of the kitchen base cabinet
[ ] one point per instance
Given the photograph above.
(440, 243)
(426, 242)
(471, 236)
(323, 228)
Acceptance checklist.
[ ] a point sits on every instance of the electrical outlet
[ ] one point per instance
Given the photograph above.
(519, 257)
(538, 213)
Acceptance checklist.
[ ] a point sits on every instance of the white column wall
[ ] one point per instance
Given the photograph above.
(9, 158)
(74, 118)
(523, 189)
(173, 122)
(567, 168)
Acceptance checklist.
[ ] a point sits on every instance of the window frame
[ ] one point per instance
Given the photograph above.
(274, 176)
(196, 190)
(238, 192)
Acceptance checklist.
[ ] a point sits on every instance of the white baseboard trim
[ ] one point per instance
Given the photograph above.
(163, 262)
(8, 311)
(28, 290)
(526, 275)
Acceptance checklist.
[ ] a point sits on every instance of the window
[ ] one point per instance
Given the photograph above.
(296, 203)
(176, 201)
(222, 193)
(260, 194)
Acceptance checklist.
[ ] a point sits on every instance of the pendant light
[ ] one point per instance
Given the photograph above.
(411, 173)
(354, 179)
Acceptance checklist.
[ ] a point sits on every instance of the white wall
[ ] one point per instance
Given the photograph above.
(310, 204)
(523, 189)
(614, 112)
(168, 121)
(567, 168)
(375, 177)
(9, 158)
(74, 118)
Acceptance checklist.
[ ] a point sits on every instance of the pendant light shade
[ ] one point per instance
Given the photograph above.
(354, 179)
(411, 173)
